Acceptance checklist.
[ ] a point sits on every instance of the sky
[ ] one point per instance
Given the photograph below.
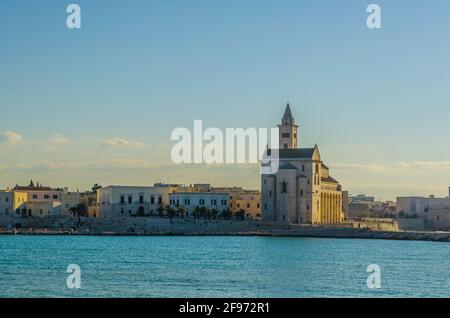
(98, 104)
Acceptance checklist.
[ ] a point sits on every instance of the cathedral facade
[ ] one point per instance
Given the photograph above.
(302, 190)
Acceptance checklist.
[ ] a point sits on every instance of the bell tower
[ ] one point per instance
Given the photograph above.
(288, 130)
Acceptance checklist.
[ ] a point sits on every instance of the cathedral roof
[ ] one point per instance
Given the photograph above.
(287, 112)
(302, 153)
(287, 165)
(329, 179)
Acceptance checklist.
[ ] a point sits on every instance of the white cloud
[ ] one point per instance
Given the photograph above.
(10, 138)
(58, 139)
(121, 142)
(398, 166)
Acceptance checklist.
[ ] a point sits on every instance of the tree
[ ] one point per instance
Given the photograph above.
(79, 210)
(181, 212)
(95, 187)
(171, 212)
(160, 210)
(240, 215)
(196, 212)
(226, 214)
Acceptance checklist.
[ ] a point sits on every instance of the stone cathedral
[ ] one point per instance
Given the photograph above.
(302, 190)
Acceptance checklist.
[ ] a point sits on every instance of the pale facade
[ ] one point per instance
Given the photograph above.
(122, 201)
(6, 202)
(419, 206)
(189, 201)
(302, 191)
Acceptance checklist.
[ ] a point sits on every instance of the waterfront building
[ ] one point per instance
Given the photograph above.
(41, 201)
(247, 201)
(190, 201)
(361, 198)
(419, 206)
(302, 190)
(88, 204)
(6, 203)
(122, 201)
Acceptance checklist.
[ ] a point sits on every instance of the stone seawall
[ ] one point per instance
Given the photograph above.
(165, 226)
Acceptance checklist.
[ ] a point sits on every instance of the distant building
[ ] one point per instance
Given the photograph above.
(361, 198)
(88, 204)
(41, 201)
(122, 201)
(302, 191)
(189, 201)
(419, 206)
(248, 201)
(6, 203)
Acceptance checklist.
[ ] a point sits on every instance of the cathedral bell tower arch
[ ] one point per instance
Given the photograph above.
(288, 130)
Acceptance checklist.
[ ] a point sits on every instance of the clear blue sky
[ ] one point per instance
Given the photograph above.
(377, 102)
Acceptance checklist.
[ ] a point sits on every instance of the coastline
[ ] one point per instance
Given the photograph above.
(306, 232)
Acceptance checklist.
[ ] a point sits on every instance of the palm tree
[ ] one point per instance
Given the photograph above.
(160, 210)
(196, 212)
(181, 212)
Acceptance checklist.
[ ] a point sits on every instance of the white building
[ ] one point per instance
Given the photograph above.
(6, 203)
(416, 205)
(191, 200)
(122, 201)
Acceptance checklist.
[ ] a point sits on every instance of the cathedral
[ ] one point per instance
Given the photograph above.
(301, 191)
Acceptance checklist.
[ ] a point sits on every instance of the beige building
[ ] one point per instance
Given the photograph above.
(302, 190)
(248, 201)
(40, 201)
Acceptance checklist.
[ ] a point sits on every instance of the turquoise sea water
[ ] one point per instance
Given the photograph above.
(35, 266)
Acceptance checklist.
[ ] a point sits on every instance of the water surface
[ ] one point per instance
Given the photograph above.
(35, 266)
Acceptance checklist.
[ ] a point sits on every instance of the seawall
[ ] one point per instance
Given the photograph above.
(190, 227)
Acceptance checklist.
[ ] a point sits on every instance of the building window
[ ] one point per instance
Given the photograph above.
(34, 196)
(152, 200)
(121, 210)
(301, 193)
(141, 199)
(265, 206)
(224, 202)
(270, 194)
(307, 207)
(122, 199)
(248, 205)
(213, 202)
(201, 202)
(187, 202)
(159, 200)
(284, 187)
(130, 199)
(55, 197)
(285, 146)
(46, 196)
(303, 168)
(257, 205)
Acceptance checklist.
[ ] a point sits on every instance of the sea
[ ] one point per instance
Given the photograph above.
(220, 266)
